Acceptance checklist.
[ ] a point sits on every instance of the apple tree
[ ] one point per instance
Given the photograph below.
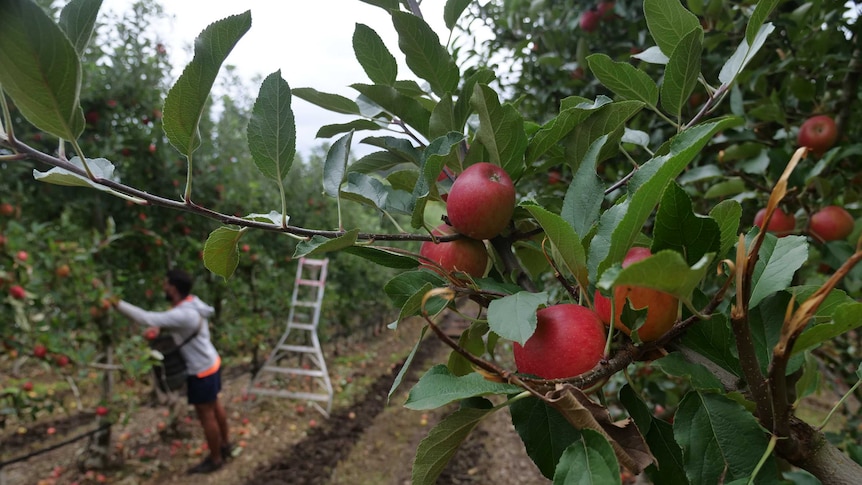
(714, 397)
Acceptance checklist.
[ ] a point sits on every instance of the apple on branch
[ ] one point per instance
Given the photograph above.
(569, 340)
(465, 255)
(818, 133)
(481, 201)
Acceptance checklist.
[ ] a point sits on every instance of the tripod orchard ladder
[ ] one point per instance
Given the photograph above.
(295, 368)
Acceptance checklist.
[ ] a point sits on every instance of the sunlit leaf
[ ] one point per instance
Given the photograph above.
(624, 79)
(439, 387)
(272, 129)
(221, 255)
(423, 53)
(78, 20)
(442, 442)
(513, 317)
(590, 460)
(668, 22)
(187, 99)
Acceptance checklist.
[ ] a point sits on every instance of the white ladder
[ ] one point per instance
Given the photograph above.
(295, 368)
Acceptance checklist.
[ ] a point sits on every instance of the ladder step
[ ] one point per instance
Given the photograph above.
(293, 371)
(318, 283)
(298, 348)
(313, 262)
(298, 395)
(302, 326)
(307, 303)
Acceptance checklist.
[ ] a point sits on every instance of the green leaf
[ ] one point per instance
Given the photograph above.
(809, 382)
(621, 225)
(221, 255)
(384, 4)
(743, 55)
(589, 461)
(439, 387)
(726, 214)
(501, 130)
(779, 259)
(668, 22)
(513, 317)
(711, 338)
(397, 146)
(336, 165)
(609, 120)
(675, 364)
(379, 64)
(433, 159)
(442, 442)
(406, 108)
(564, 239)
(720, 439)
(442, 119)
(583, 201)
(376, 162)
(272, 129)
(452, 12)
(681, 73)
(545, 432)
(187, 99)
(677, 227)
(40, 70)
(101, 168)
(761, 13)
(328, 131)
(404, 286)
(664, 271)
(423, 53)
(624, 79)
(557, 128)
(463, 105)
(328, 101)
(78, 20)
(404, 367)
(318, 244)
(846, 318)
(670, 468)
(383, 257)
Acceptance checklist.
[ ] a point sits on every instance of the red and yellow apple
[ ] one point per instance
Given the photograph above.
(569, 340)
(662, 308)
(481, 201)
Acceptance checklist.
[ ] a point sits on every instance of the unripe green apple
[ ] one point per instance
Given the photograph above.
(466, 255)
(831, 223)
(569, 340)
(481, 201)
(781, 223)
(662, 308)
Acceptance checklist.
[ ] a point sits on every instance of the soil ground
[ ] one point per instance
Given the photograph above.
(365, 441)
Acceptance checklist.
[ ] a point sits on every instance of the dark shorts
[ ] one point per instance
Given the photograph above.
(203, 390)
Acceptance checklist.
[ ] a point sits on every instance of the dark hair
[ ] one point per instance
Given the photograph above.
(180, 280)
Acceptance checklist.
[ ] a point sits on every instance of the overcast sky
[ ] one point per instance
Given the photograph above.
(309, 40)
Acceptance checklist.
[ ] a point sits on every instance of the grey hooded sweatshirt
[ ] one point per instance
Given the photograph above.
(181, 321)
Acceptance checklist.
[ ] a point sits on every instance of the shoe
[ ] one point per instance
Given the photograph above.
(227, 451)
(206, 466)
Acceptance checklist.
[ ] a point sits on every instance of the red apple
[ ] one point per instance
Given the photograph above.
(781, 223)
(63, 271)
(101, 411)
(151, 333)
(818, 133)
(40, 351)
(7, 209)
(569, 340)
(17, 292)
(481, 201)
(22, 255)
(466, 255)
(605, 9)
(661, 307)
(246, 248)
(554, 177)
(61, 360)
(831, 223)
(590, 20)
(27, 386)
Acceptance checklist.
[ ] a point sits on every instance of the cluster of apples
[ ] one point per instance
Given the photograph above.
(591, 18)
(479, 206)
(830, 223)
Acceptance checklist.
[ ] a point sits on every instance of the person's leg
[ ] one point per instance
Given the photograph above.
(221, 419)
(210, 424)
